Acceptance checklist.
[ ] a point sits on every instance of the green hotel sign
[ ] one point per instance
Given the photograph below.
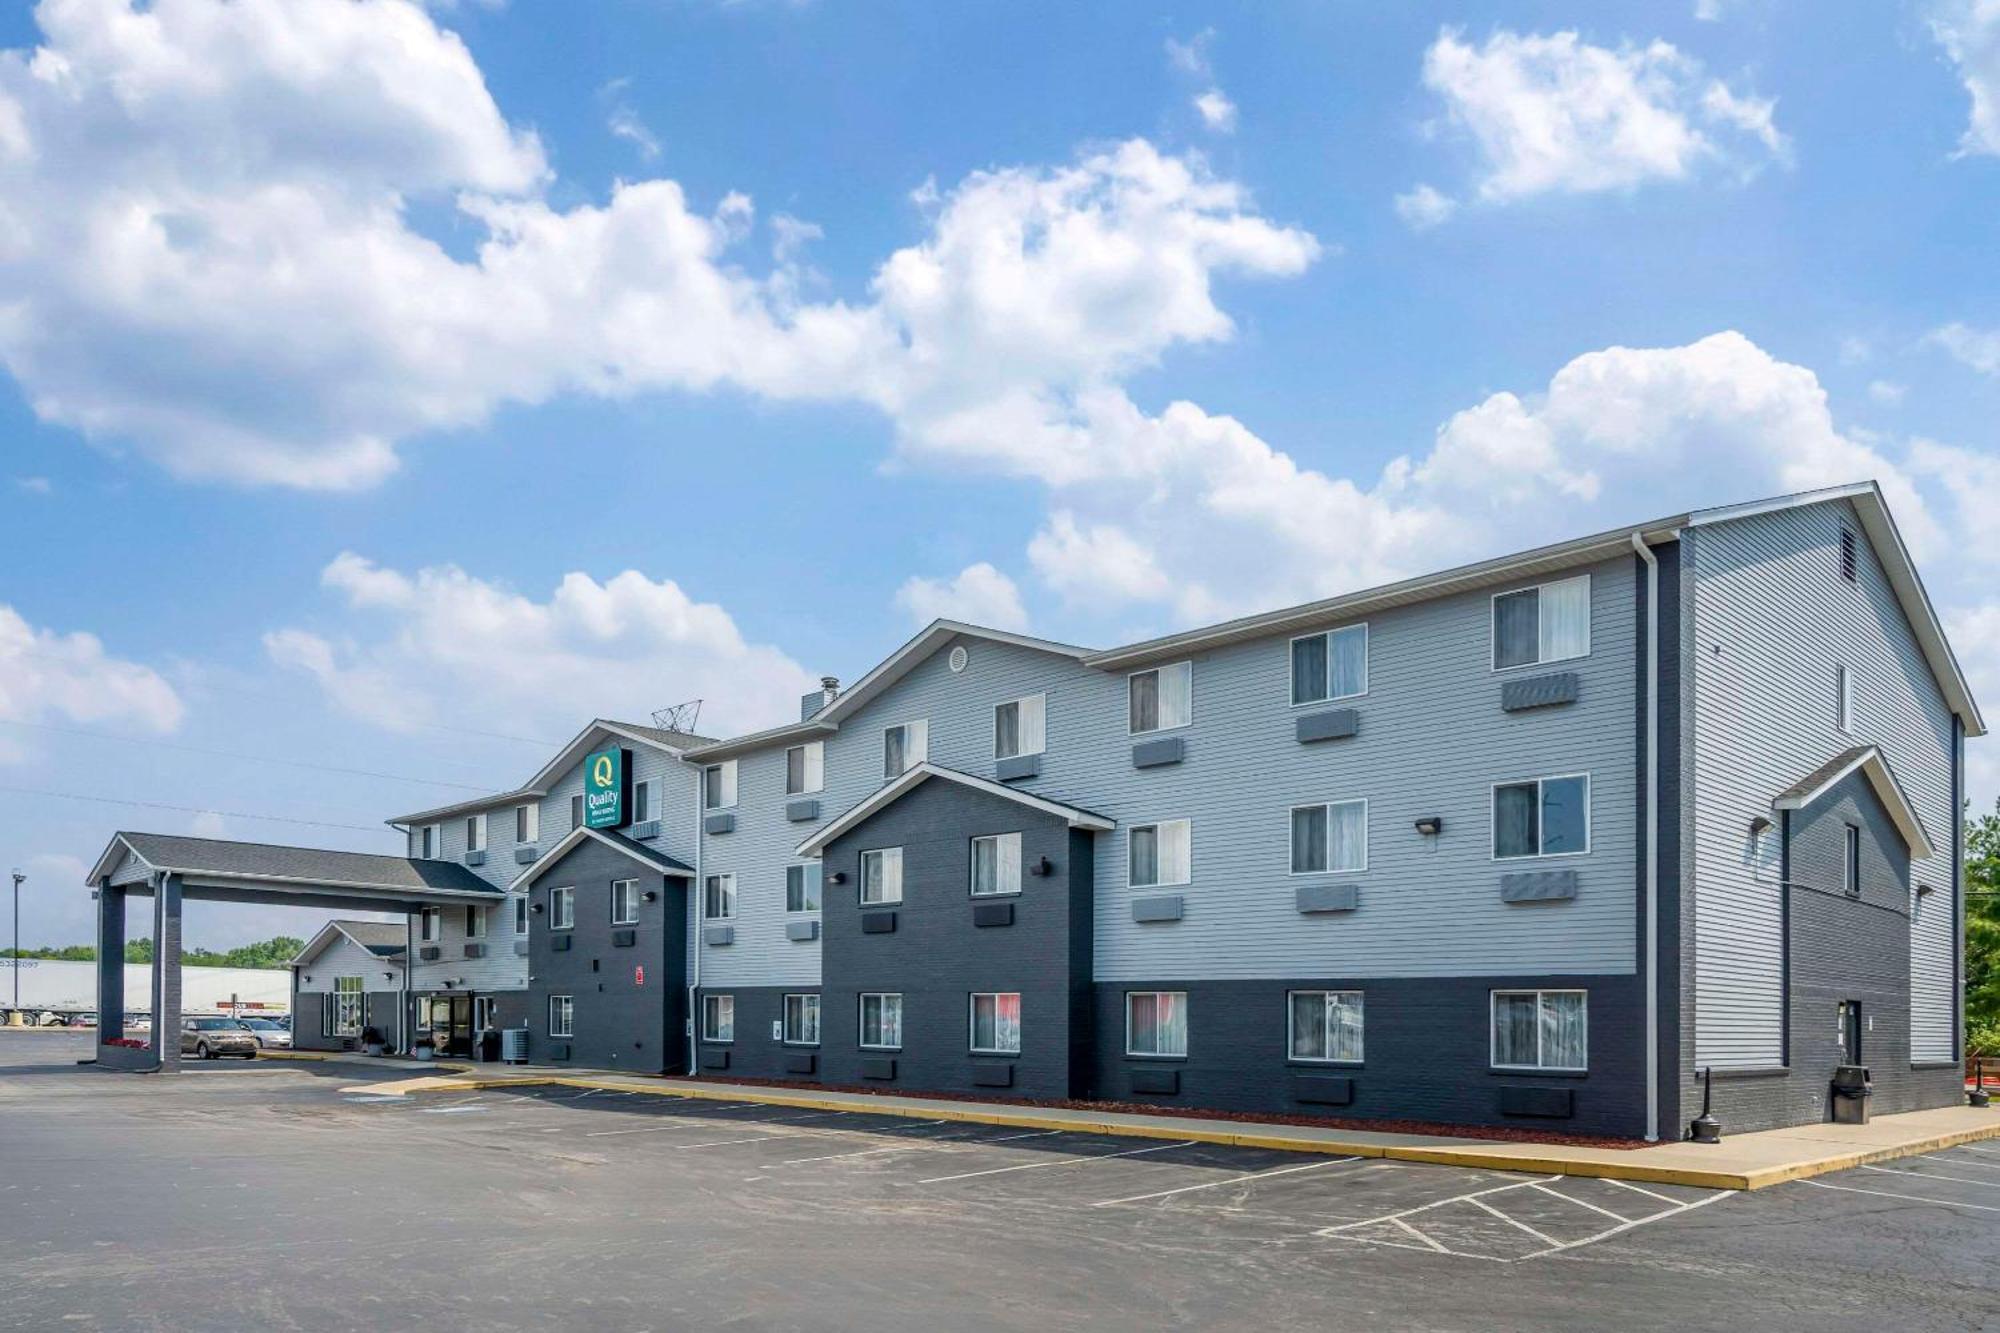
(607, 789)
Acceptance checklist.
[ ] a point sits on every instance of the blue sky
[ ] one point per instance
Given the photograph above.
(382, 381)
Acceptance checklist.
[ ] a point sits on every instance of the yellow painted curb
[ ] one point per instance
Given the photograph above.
(1493, 1159)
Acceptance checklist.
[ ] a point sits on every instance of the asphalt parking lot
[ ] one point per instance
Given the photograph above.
(269, 1196)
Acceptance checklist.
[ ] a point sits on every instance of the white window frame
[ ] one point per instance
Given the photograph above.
(1493, 1028)
(1181, 1054)
(1291, 833)
(914, 753)
(861, 1020)
(972, 1022)
(1493, 825)
(576, 811)
(1326, 998)
(725, 789)
(718, 1019)
(861, 888)
(972, 866)
(1493, 624)
(482, 1012)
(347, 1004)
(785, 1019)
(812, 766)
(642, 802)
(520, 905)
(1156, 825)
(477, 920)
(562, 907)
(475, 833)
(1186, 664)
(631, 888)
(433, 842)
(528, 820)
(1850, 860)
(1021, 712)
(1844, 695)
(1291, 666)
(810, 874)
(565, 1005)
(430, 925)
(725, 882)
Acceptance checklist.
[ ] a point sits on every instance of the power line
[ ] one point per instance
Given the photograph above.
(231, 754)
(190, 809)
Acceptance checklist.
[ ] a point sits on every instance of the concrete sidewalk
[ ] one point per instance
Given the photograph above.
(1739, 1162)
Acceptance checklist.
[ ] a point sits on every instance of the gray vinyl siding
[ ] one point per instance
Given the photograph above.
(131, 870)
(1433, 739)
(343, 958)
(1772, 617)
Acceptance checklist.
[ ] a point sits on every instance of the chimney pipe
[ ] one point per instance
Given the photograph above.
(829, 687)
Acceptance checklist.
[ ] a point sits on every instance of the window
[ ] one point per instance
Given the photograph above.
(718, 1018)
(1850, 872)
(904, 747)
(1539, 1029)
(430, 924)
(1156, 1022)
(718, 786)
(1548, 623)
(1330, 837)
(1326, 1025)
(346, 1006)
(882, 876)
(1843, 700)
(1160, 699)
(1849, 556)
(423, 1020)
(1546, 817)
(805, 768)
(521, 914)
(1160, 854)
(624, 902)
(996, 865)
(642, 802)
(718, 898)
(475, 921)
(1020, 726)
(996, 1023)
(576, 811)
(475, 833)
(527, 823)
(802, 887)
(802, 1020)
(882, 1022)
(482, 1012)
(1333, 665)
(433, 841)
(562, 908)
(562, 1015)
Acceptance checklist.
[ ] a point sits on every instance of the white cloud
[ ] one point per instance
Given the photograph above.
(1555, 114)
(1976, 348)
(35, 485)
(1216, 111)
(1969, 31)
(624, 121)
(1709, 11)
(1191, 56)
(1425, 207)
(980, 595)
(1100, 564)
(47, 676)
(442, 643)
(1887, 392)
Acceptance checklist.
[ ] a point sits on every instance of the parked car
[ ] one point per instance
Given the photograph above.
(83, 1020)
(212, 1038)
(270, 1034)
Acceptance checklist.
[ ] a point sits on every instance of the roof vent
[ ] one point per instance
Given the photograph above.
(811, 704)
(829, 687)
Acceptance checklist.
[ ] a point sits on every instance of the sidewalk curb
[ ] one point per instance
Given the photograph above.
(1628, 1164)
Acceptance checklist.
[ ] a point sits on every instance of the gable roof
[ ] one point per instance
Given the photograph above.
(1075, 816)
(612, 838)
(1869, 761)
(884, 674)
(673, 742)
(213, 858)
(386, 940)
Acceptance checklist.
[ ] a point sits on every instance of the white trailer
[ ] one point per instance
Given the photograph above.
(55, 992)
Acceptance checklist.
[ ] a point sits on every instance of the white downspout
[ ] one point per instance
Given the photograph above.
(1652, 836)
(693, 909)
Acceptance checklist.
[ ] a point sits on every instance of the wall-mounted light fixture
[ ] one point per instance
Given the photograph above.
(1760, 826)
(534, 907)
(650, 896)
(1042, 866)
(1430, 825)
(837, 877)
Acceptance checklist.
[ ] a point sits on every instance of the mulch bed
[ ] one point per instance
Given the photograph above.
(1496, 1133)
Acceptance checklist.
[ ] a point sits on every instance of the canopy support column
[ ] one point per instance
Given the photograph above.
(167, 973)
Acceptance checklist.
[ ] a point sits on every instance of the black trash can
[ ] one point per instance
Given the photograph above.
(488, 1049)
(1852, 1088)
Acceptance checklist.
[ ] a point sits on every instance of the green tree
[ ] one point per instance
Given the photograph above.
(1982, 934)
(274, 952)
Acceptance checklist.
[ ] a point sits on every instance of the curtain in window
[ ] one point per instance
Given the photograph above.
(1308, 839)
(1347, 667)
(1349, 835)
(802, 888)
(1309, 1018)
(1145, 857)
(1010, 862)
(802, 1019)
(996, 1023)
(1176, 852)
(1343, 1020)
(1007, 730)
(1309, 669)
(1563, 1030)
(720, 1013)
(1158, 1022)
(1517, 628)
(1514, 1028)
(882, 876)
(892, 753)
(1034, 724)
(996, 864)
(1565, 630)
(1176, 695)
(1565, 815)
(1515, 820)
(1144, 698)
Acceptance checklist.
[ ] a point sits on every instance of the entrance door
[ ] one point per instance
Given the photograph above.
(1850, 1032)
(460, 1027)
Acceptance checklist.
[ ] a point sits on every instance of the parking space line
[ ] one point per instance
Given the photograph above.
(1484, 1206)
(1912, 1198)
(724, 1143)
(1626, 1184)
(1031, 1134)
(1716, 1197)
(1074, 1161)
(1426, 1207)
(865, 1152)
(1973, 1148)
(1233, 1180)
(1959, 1161)
(1616, 1217)
(1925, 1175)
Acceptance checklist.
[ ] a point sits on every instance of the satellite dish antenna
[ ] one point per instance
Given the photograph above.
(680, 717)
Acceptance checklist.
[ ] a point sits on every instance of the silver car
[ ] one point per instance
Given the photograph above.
(270, 1035)
(212, 1038)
